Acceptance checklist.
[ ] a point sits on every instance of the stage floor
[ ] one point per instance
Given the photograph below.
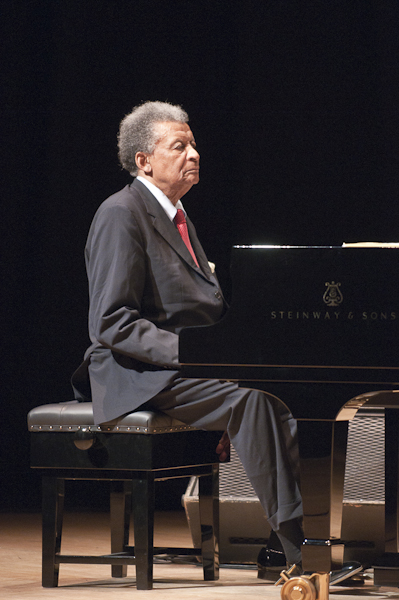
(20, 566)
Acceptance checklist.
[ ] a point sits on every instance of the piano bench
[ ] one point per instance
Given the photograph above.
(131, 452)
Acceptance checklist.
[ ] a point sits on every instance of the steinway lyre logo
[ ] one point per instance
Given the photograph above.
(332, 296)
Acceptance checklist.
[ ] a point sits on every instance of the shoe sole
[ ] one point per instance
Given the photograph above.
(341, 576)
(271, 574)
(335, 579)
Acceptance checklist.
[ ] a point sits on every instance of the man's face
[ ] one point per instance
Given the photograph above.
(174, 161)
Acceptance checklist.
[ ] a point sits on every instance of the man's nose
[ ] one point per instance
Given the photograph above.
(193, 154)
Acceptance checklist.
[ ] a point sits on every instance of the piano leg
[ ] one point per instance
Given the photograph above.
(386, 572)
(391, 480)
(322, 452)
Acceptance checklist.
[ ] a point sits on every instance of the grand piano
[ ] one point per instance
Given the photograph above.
(318, 327)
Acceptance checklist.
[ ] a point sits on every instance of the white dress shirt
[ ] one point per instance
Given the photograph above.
(163, 200)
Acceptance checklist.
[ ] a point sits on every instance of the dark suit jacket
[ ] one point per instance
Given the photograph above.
(144, 288)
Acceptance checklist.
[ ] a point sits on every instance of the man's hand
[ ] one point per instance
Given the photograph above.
(223, 447)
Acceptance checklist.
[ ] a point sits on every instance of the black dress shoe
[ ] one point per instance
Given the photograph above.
(271, 560)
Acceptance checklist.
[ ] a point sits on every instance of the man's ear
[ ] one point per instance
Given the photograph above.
(142, 162)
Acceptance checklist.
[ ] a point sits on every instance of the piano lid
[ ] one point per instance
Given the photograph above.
(316, 307)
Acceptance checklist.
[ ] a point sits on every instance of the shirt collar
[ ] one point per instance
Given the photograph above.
(163, 200)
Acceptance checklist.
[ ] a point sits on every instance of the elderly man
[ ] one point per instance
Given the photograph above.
(148, 278)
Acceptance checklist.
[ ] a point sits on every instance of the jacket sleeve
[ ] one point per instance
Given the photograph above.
(116, 268)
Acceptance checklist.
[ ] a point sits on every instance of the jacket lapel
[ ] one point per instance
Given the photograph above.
(170, 233)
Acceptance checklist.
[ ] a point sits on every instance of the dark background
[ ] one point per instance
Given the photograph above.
(295, 110)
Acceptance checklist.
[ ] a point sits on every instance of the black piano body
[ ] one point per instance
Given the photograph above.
(318, 327)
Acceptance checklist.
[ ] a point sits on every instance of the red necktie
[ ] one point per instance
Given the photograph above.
(181, 224)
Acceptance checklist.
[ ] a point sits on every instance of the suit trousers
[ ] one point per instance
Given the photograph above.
(260, 428)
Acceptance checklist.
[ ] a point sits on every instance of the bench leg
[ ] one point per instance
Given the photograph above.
(120, 509)
(209, 517)
(143, 519)
(53, 490)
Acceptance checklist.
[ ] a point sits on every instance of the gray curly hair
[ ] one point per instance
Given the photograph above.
(137, 132)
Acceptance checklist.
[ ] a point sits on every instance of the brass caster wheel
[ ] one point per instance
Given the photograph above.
(298, 588)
